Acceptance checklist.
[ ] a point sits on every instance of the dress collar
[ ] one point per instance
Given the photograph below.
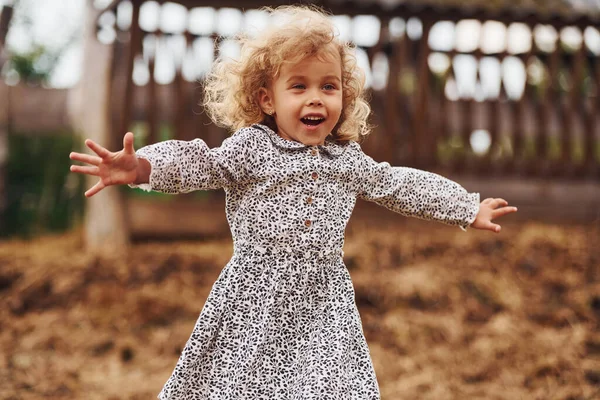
(330, 147)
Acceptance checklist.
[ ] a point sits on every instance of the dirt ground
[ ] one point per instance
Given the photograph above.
(447, 314)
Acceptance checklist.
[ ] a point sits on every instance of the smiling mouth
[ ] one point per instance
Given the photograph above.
(312, 121)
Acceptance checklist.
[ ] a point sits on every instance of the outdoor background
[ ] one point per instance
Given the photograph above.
(447, 314)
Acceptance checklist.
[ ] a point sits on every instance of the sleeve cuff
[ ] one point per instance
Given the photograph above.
(474, 212)
(146, 187)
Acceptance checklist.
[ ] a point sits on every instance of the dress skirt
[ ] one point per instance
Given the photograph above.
(277, 324)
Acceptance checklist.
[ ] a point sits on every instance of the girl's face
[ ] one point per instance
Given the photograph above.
(306, 99)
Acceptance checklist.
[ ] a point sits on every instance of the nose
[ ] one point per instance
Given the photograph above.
(315, 101)
(314, 98)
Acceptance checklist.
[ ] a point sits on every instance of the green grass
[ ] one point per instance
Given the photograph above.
(42, 195)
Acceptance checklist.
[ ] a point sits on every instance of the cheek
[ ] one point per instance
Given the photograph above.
(291, 101)
(339, 104)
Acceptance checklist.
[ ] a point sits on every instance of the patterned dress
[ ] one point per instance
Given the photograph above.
(281, 320)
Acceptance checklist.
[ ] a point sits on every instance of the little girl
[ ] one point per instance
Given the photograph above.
(281, 320)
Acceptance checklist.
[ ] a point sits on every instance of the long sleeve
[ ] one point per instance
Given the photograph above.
(415, 193)
(184, 166)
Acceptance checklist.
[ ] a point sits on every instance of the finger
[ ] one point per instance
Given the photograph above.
(101, 151)
(85, 170)
(488, 200)
(128, 143)
(503, 211)
(95, 189)
(500, 202)
(86, 158)
(493, 227)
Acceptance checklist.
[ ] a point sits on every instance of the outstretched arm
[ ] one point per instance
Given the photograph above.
(425, 195)
(171, 166)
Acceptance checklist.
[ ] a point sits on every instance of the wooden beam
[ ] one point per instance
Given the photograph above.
(543, 112)
(576, 104)
(152, 114)
(392, 96)
(411, 9)
(134, 48)
(520, 162)
(421, 127)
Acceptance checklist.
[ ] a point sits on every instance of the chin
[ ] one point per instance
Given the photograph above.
(313, 141)
(314, 138)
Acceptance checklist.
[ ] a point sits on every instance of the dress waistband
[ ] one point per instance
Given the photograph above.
(307, 252)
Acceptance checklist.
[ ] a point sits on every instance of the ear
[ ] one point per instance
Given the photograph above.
(265, 100)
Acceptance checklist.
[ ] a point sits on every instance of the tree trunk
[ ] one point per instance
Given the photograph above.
(5, 17)
(106, 227)
(6, 13)
(4, 125)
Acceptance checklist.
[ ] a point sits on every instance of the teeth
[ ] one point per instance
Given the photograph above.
(314, 118)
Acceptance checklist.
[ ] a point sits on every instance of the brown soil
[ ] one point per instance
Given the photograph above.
(447, 314)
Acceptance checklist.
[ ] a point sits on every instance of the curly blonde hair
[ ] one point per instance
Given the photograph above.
(298, 32)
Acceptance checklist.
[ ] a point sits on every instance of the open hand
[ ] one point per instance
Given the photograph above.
(490, 209)
(112, 168)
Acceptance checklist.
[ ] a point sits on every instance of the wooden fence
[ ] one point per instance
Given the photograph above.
(548, 131)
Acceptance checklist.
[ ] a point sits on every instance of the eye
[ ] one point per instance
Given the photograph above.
(329, 86)
(298, 86)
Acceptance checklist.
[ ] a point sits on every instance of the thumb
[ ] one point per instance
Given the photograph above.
(128, 143)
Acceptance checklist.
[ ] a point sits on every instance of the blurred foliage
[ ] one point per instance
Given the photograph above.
(43, 196)
(36, 58)
(33, 67)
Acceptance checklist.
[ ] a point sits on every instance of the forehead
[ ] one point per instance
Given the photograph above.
(324, 63)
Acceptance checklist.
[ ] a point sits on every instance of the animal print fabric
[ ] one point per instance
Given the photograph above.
(281, 320)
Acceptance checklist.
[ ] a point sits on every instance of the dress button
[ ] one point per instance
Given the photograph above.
(314, 152)
(308, 222)
(309, 200)
(315, 175)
